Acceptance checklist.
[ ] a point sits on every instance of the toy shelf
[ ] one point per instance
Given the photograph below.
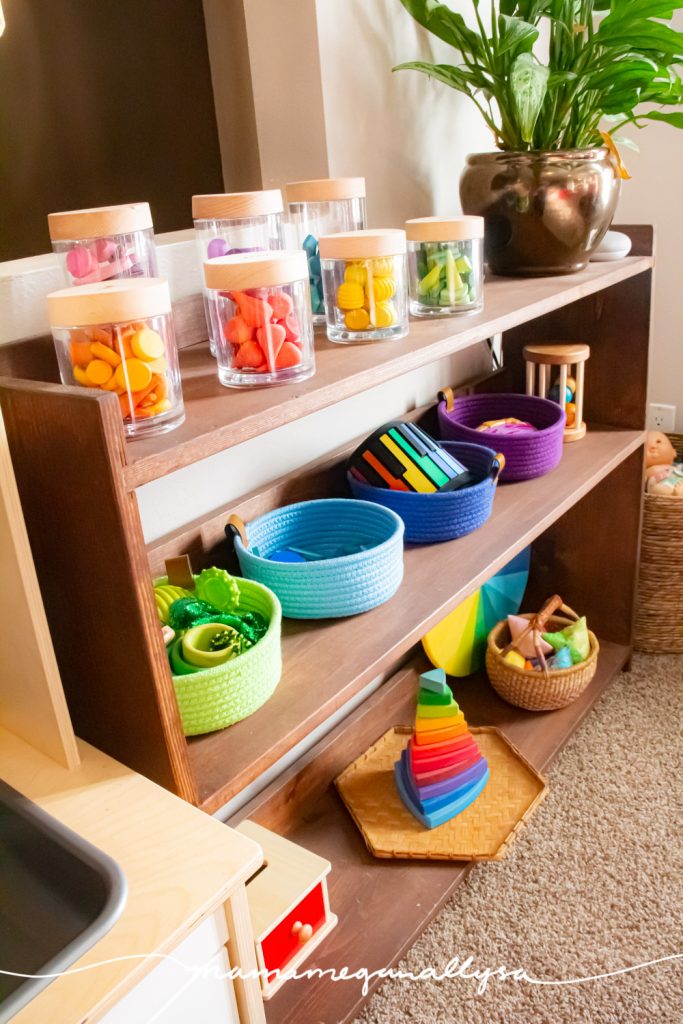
(326, 663)
(76, 477)
(215, 421)
(383, 905)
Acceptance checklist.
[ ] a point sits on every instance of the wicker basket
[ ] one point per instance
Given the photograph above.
(537, 691)
(659, 600)
(526, 455)
(214, 698)
(445, 515)
(332, 585)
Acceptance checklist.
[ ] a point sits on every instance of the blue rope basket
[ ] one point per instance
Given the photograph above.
(444, 515)
(333, 585)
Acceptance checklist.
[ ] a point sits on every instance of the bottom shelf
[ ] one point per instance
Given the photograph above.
(384, 905)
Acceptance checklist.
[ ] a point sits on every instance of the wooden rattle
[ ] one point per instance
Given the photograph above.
(572, 356)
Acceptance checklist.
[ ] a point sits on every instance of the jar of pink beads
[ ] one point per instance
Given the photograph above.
(261, 306)
(105, 243)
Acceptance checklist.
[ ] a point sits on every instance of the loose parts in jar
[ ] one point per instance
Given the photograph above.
(264, 333)
(365, 295)
(129, 360)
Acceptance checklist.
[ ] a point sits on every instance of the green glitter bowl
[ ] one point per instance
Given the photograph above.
(214, 698)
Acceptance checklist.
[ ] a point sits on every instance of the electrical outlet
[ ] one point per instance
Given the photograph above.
(661, 417)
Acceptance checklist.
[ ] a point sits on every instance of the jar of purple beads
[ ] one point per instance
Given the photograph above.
(234, 223)
(105, 243)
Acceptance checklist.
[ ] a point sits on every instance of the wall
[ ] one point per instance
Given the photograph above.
(97, 99)
(653, 196)
(408, 134)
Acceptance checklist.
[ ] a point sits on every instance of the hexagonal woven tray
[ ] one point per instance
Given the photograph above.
(482, 832)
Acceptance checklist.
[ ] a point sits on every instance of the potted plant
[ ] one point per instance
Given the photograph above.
(549, 193)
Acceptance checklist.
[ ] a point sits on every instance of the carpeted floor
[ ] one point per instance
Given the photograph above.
(594, 884)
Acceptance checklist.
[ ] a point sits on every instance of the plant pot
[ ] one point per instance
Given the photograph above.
(545, 213)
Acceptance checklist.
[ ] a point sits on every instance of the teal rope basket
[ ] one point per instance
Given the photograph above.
(332, 585)
(214, 698)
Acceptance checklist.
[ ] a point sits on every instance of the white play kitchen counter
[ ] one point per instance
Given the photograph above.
(186, 898)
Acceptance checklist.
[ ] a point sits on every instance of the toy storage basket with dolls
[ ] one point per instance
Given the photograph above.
(659, 600)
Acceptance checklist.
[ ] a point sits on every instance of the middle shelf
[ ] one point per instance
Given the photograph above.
(326, 663)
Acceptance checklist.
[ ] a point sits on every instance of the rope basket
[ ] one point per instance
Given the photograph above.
(526, 455)
(332, 585)
(537, 691)
(444, 515)
(659, 597)
(216, 697)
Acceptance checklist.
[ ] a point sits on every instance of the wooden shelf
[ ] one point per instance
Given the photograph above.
(327, 663)
(217, 419)
(384, 905)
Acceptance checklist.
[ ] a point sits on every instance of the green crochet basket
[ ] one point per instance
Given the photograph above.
(217, 697)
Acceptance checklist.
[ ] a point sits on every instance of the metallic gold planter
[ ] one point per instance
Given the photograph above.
(545, 212)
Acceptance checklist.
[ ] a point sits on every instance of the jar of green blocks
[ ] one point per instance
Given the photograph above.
(445, 265)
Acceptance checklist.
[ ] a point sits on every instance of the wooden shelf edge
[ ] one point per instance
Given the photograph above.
(221, 774)
(429, 341)
(303, 805)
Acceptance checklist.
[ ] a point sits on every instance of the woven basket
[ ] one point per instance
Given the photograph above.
(659, 600)
(331, 586)
(526, 455)
(536, 691)
(429, 518)
(214, 698)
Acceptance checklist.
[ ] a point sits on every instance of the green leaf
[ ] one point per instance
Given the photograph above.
(529, 82)
(445, 73)
(641, 35)
(515, 34)
(673, 119)
(446, 24)
(632, 9)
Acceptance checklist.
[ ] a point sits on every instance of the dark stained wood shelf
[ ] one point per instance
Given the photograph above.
(383, 905)
(327, 663)
(218, 418)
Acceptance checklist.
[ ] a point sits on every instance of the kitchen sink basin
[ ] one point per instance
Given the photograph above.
(58, 896)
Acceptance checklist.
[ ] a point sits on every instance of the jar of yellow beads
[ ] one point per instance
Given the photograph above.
(365, 286)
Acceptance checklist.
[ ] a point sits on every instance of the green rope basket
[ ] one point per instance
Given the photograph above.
(214, 698)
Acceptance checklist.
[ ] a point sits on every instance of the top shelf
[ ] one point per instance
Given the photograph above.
(217, 419)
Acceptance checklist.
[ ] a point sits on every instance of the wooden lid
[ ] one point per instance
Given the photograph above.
(444, 229)
(256, 269)
(109, 302)
(557, 355)
(357, 245)
(324, 190)
(99, 222)
(236, 205)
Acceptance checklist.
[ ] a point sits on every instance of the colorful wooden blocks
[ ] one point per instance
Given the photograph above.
(441, 771)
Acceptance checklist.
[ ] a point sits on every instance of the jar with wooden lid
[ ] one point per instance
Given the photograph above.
(233, 223)
(117, 336)
(323, 206)
(364, 281)
(445, 265)
(261, 306)
(105, 243)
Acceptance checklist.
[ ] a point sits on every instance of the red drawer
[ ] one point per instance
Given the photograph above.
(280, 945)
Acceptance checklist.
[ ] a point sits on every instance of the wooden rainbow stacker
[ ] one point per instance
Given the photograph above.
(442, 770)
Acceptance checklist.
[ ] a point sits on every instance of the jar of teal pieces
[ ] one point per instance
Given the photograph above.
(323, 206)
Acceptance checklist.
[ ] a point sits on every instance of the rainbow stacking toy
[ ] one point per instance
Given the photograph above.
(441, 771)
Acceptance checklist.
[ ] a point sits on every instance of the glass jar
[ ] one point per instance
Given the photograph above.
(233, 223)
(261, 305)
(446, 265)
(118, 337)
(106, 243)
(324, 206)
(364, 281)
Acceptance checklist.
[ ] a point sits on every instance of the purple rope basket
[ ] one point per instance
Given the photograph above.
(526, 455)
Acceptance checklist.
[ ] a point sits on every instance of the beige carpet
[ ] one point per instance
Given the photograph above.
(594, 884)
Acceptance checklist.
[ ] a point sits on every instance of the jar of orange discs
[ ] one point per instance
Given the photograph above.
(117, 336)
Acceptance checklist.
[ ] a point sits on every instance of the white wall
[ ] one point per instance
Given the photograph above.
(653, 196)
(407, 134)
